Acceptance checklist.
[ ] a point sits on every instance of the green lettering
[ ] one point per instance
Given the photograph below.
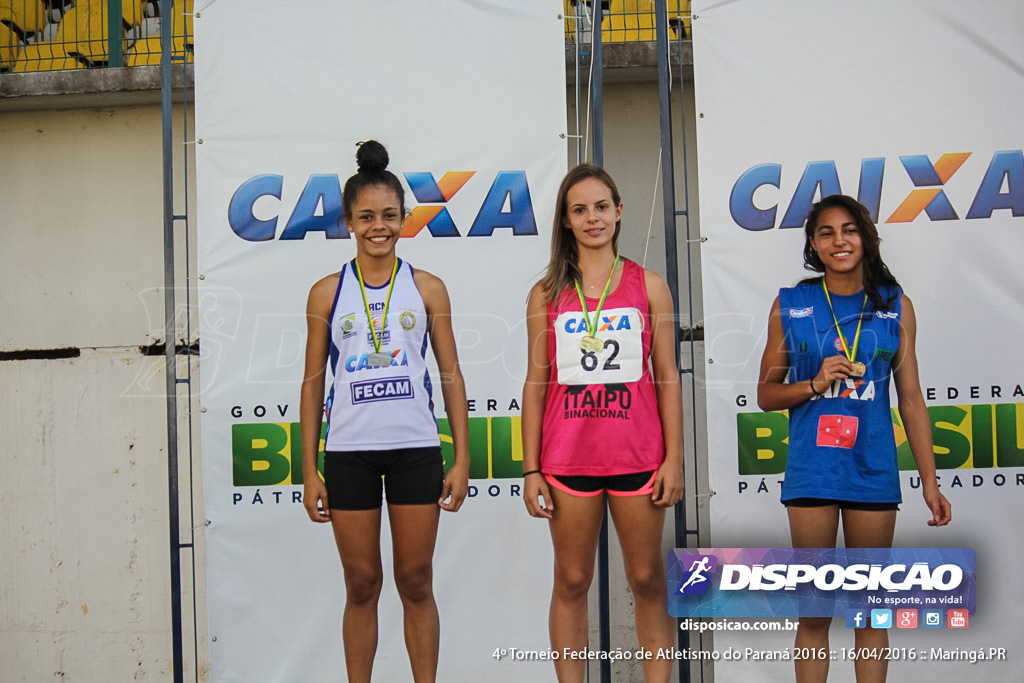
(1008, 450)
(762, 441)
(258, 454)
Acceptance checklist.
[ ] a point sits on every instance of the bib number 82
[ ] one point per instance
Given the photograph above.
(589, 360)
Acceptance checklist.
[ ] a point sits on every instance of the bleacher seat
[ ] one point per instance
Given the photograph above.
(10, 46)
(84, 28)
(147, 50)
(24, 17)
(45, 56)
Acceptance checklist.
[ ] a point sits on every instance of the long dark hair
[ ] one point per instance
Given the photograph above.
(372, 159)
(876, 273)
(564, 266)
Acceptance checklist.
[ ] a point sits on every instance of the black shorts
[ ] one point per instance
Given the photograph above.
(843, 504)
(635, 484)
(356, 480)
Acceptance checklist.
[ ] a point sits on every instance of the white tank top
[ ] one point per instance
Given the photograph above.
(379, 408)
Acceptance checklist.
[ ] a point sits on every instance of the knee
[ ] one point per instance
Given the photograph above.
(647, 582)
(362, 584)
(815, 625)
(415, 584)
(572, 583)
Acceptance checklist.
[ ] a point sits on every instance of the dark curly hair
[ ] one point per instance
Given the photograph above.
(372, 159)
(875, 271)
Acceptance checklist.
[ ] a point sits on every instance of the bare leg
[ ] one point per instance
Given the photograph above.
(815, 527)
(870, 529)
(413, 534)
(639, 525)
(574, 530)
(357, 533)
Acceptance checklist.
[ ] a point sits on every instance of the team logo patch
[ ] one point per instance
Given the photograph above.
(801, 312)
(348, 326)
(837, 431)
(407, 320)
(887, 315)
(389, 389)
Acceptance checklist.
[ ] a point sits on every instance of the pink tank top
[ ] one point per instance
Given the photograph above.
(601, 413)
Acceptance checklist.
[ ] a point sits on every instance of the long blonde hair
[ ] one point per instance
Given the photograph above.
(564, 267)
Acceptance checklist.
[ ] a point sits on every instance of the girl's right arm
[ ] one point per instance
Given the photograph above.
(773, 392)
(311, 406)
(535, 391)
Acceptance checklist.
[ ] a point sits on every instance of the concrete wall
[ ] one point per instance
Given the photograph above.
(84, 586)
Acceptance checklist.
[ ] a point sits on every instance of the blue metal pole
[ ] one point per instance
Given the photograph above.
(170, 337)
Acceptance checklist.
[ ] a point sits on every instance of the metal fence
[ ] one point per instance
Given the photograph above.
(49, 35)
(623, 21)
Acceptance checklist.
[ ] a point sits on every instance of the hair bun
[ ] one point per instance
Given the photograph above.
(371, 157)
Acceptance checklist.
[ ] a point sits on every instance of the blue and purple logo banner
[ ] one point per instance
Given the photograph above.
(817, 582)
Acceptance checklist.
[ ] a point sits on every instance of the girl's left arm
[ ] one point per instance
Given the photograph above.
(915, 415)
(453, 387)
(668, 484)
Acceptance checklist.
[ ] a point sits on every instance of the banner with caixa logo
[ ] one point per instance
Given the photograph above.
(909, 107)
(283, 94)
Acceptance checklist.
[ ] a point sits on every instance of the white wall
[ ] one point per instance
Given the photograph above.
(84, 584)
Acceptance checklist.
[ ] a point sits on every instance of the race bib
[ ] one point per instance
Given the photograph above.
(621, 358)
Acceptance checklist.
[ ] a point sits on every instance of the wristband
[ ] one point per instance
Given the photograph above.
(813, 390)
(525, 474)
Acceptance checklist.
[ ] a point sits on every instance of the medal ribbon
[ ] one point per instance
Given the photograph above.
(592, 327)
(366, 304)
(850, 356)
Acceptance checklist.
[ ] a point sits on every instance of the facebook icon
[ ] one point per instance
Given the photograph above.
(856, 618)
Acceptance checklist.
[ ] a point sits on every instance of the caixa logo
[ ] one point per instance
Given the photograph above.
(507, 205)
(820, 178)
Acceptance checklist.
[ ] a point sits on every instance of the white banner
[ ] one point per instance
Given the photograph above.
(912, 107)
(469, 98)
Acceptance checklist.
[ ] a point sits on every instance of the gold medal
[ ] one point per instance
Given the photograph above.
(858, 367)
(590, 343)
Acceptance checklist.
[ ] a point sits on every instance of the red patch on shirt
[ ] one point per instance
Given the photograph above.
(837, 431)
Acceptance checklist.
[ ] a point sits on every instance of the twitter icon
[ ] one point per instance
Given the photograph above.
(881, 618)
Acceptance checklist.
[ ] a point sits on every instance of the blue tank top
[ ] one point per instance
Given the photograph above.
(841, 444)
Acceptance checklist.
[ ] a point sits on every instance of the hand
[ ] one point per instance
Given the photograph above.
(942, 511)
(455, 488)
(314, 499)
(832, 368)
(535, 488)
(668, 485)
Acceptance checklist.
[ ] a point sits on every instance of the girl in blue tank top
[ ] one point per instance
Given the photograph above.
(833, 343)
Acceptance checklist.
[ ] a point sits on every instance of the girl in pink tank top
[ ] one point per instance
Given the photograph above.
(602, 414)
